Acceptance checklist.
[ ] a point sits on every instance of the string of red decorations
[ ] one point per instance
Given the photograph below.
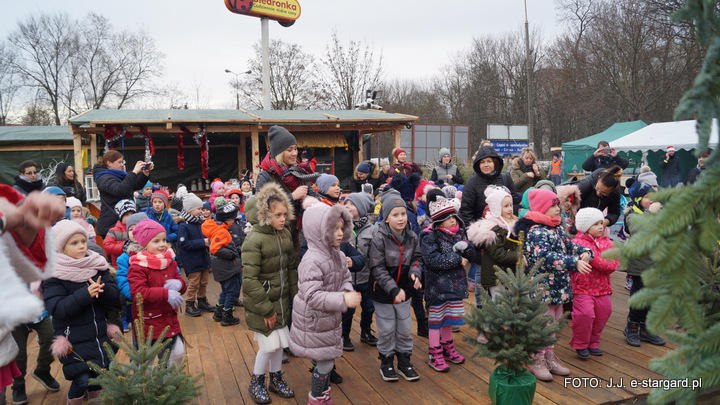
(149, 146)
(180, 153)
(201, 139)
(112, 133)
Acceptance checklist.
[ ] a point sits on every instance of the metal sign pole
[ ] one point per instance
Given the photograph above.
(265, 43)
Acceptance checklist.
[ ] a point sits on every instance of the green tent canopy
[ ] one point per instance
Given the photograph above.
(576, 152)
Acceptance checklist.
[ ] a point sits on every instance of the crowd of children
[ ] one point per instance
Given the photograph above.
(397, 247)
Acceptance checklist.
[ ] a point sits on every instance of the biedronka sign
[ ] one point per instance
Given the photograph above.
(279, 10)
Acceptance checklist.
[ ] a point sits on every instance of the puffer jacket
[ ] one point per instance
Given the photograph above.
(392, 262)
(113, 189)
(192, 251)
(166, 220)
(268, 259)
(597, 282)
(361, 240)
(114, 241)
(560, 254)
(226, 262)
(142, 202)
(323, 278)
(498, 249)
(473, 204)
(81, 319)
(445, 278)
(149, 283)
(123, 264)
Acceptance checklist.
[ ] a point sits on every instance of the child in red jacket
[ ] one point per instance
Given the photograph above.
(118, 234)
(154, 275)
(591, 304)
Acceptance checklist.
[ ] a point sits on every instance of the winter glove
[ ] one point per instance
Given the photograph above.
(173, 284)
(175, 299)
(464, 249)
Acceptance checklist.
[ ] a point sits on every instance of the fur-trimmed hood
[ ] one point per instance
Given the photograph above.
(319, 226)
(374, 170)
(257, 210)
(481, 232)
(564, 192)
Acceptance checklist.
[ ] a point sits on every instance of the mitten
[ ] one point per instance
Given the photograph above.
(173, 284)
(464, 249)
(175, 299)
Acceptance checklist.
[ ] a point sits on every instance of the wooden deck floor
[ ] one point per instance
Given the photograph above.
(226, 355)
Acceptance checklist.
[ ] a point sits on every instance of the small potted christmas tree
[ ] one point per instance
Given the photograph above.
(144, 380)
(512, 329)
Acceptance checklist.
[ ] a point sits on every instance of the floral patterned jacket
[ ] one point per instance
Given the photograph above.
(560, 254)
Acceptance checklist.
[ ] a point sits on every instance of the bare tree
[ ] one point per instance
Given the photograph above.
(9, 83)
(292, 86)
(346, 72)
(45, 45)
(140, 63)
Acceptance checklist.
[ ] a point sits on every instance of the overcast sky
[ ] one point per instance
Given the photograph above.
(201, 38)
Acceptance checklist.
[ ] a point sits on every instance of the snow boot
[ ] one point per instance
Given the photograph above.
(632, 333)
(646, 336)
(279, 386)
(228, 319)
(387, 368)
(404, 367)
(422, 328)
(257, 389)
(367, 337)
(436, 360)
(190, 309)
(204, 305)
(450, 354)
(217, 316)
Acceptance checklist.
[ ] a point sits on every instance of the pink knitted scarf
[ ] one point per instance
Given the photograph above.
(78, 270)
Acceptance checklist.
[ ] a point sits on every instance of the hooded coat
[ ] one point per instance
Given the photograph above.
(498, 249)
(268, 258)
(323, 278)
(564, 192)
(113, 189)
(376, 178)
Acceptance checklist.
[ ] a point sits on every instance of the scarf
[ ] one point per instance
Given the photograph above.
(543, 219)
(192, 219)
(360, 223)
(450, 231)
(293, 176)
(120, 174)
(154, 262)
(78, 270)
(328, 200)
(525, 168)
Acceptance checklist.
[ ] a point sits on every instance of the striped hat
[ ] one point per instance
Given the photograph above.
(441, 209)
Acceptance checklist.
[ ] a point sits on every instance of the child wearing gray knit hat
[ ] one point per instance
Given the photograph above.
(280, 139)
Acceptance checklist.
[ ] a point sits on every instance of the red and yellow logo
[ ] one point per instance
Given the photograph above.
(279, 10)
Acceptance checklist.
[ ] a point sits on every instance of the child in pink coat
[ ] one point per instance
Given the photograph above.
(592, 306)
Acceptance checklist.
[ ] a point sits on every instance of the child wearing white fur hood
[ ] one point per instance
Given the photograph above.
(494, 235)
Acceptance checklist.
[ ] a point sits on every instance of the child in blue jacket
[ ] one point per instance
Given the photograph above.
(194, 255)
(157, 211)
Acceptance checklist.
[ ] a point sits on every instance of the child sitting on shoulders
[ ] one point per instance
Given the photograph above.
(154, 275)
(76, 297)
(446, 253)
(592, 306)
(324, 292)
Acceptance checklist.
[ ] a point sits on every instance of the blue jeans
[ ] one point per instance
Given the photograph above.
(230, 291)
(368, 309)
(80, 384)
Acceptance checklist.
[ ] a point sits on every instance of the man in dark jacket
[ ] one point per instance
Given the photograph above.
(591, 196)
(603, 158)
(670, 166)
(698, 170)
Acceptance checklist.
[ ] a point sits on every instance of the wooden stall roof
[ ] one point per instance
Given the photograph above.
(245, 121)
(22, 135)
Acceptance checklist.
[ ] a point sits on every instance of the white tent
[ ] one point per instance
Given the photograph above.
(680, 134)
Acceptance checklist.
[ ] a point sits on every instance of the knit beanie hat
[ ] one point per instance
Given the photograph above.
(541, 200)
(547, 185)
(146, 230)
(434, 195)
(64, 230)
(217, 185)
(391, 199)
(424, 187)
(161, 195)
(206, 205)
(181, 192)
(135, 219)
(442, 209)
(648, 178)
(362, 201)
(123, 207)
(55, 190)
(148, 184)
(280, 139)
(364, 167)
(398, 151)
(494, 197)
(449, 191)
(443, 152)
(72, 202)
(587, 217)
(225, 210)
(325, 181)
(639, 190)
(191, 202)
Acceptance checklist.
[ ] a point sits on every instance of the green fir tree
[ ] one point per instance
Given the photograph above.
(144, 380)
(514, 325)
(683, 239)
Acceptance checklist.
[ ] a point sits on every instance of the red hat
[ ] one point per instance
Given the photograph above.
(398, 151)
(161, 195)
(541, 200)
(421, 189)
(670, 148)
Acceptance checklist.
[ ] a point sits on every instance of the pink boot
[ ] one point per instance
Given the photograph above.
(436, 360)
(450, 354)
(555, 366)
(540, 368)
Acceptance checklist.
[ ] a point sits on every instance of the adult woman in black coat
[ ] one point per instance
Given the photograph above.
(367, 172)
(115, 184)
(66, 180)
(601, 190)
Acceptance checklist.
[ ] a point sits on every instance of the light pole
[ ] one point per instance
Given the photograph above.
(237, 85)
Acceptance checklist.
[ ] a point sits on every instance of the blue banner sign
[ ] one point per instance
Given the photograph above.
(508, 148)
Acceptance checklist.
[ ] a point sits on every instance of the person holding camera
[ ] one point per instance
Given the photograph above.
(115, 184)
(604, 157)
(367, 172)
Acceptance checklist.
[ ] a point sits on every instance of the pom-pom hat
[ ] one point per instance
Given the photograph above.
(587, 217)
(494, 197)
(225, 210)
(146, 230)
(442, 209)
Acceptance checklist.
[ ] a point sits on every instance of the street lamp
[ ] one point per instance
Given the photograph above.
(237, 85)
